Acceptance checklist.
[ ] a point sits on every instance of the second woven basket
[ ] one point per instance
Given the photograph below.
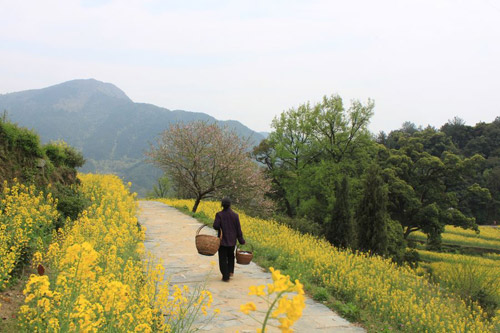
(244, 257)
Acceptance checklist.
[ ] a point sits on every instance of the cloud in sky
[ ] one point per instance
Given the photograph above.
(422, 61)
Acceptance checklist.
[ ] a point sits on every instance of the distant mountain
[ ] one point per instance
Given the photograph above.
(110, 129)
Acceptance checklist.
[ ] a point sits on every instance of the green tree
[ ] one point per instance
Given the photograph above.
(468, 180)
(458, 131)
(336, 129)
(265, 154)
(372, 217)
(310, 148)
(396, 244)
(340, 229)
(492, 179)
(425, 190)
(162, 188)
(294, 149)
(484, 139)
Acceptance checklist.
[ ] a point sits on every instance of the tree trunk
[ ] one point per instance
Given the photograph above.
(407, 232)
(196, 203)
(289, 210)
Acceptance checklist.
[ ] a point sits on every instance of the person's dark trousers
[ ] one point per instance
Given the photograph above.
(226, 261)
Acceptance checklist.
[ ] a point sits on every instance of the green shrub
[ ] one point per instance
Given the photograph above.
(20, 152)
(412, 257)
(70, 202)
(348, 310)
(60, 154)
(55, 153)
(74, 159)
(321, 295)
(20, 139)
(396, 244)
(303, 225)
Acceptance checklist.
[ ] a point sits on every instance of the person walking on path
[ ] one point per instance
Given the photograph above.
(228, 222)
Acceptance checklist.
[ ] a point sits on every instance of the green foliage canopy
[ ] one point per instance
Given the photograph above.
(310, 148)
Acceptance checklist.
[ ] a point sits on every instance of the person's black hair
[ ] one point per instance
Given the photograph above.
(226, 202)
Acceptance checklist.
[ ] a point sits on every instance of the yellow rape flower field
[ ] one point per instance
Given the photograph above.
(468, 275)
(393, 294)
(97, 274)
(487, 238)
(489, 261)
(26, 217)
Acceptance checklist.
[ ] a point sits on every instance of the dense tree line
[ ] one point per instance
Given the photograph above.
(472, 162)
(330, 176)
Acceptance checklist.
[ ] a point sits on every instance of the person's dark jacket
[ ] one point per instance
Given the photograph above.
(229, 222)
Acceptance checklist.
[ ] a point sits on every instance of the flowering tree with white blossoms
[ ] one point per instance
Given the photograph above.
(204, 160)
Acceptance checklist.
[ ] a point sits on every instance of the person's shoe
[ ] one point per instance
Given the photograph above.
(225, 280)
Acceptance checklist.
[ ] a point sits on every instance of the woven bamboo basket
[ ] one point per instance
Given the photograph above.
(244, 257)
(207, 245)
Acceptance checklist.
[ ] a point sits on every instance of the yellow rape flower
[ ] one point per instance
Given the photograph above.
(283, 305)
(247, 308)
(257, 290)
(285, 324)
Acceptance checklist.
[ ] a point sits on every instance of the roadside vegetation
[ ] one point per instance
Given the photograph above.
(72, 244)
(39, 193)
(362, 287)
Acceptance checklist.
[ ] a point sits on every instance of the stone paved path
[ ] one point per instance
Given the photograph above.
(170, 236)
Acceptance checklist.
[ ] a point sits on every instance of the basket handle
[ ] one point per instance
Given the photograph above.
(238, 246)
(203, 226)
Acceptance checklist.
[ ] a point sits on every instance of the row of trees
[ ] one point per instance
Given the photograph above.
(372, 193)
(321, 160)
(325, 171)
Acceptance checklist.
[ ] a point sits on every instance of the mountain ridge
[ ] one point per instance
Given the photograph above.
(99, 119)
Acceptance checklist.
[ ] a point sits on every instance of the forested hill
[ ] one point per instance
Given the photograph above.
(98, 118)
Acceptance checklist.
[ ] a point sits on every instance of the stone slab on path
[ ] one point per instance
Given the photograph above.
(170, 236)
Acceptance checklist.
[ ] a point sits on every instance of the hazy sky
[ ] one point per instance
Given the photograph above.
(424, 61)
